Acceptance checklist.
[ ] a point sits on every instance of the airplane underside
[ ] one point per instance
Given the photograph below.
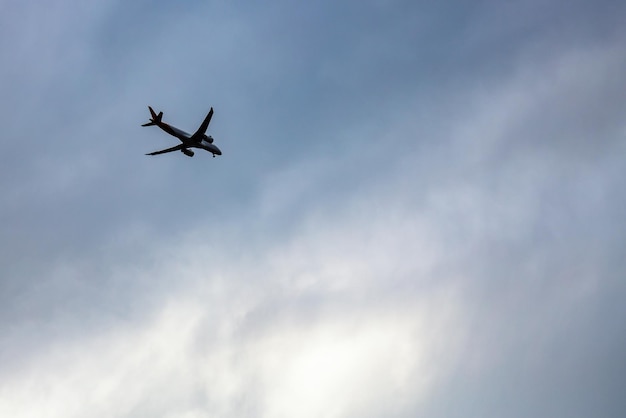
(190, 153)
(198, 140)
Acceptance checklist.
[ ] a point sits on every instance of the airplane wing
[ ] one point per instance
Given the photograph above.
(176, 148)
(202, 129)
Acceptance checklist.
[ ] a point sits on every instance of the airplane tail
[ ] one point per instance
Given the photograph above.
(155, 120)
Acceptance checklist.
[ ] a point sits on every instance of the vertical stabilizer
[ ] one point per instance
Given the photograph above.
(156, 119)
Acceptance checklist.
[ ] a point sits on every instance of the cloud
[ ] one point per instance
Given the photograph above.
(242, 340)
(450, 254)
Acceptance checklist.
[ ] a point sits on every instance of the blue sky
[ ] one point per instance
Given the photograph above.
(419, 210)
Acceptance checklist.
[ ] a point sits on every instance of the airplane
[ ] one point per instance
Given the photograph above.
(198, 140)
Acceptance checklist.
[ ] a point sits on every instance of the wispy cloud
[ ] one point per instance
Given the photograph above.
(373, 243)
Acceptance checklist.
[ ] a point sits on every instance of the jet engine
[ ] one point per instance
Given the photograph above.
(187, 152)
(208, 139)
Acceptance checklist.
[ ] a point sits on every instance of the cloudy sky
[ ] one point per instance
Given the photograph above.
(419, 210)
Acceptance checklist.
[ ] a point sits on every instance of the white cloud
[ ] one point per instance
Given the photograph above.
(207, 352)
(461, 254)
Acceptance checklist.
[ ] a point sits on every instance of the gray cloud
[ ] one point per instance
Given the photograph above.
(389, 233)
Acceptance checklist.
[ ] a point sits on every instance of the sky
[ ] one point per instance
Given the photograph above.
(418, 210)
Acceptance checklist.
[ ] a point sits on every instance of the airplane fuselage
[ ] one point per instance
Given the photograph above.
(205, 143)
